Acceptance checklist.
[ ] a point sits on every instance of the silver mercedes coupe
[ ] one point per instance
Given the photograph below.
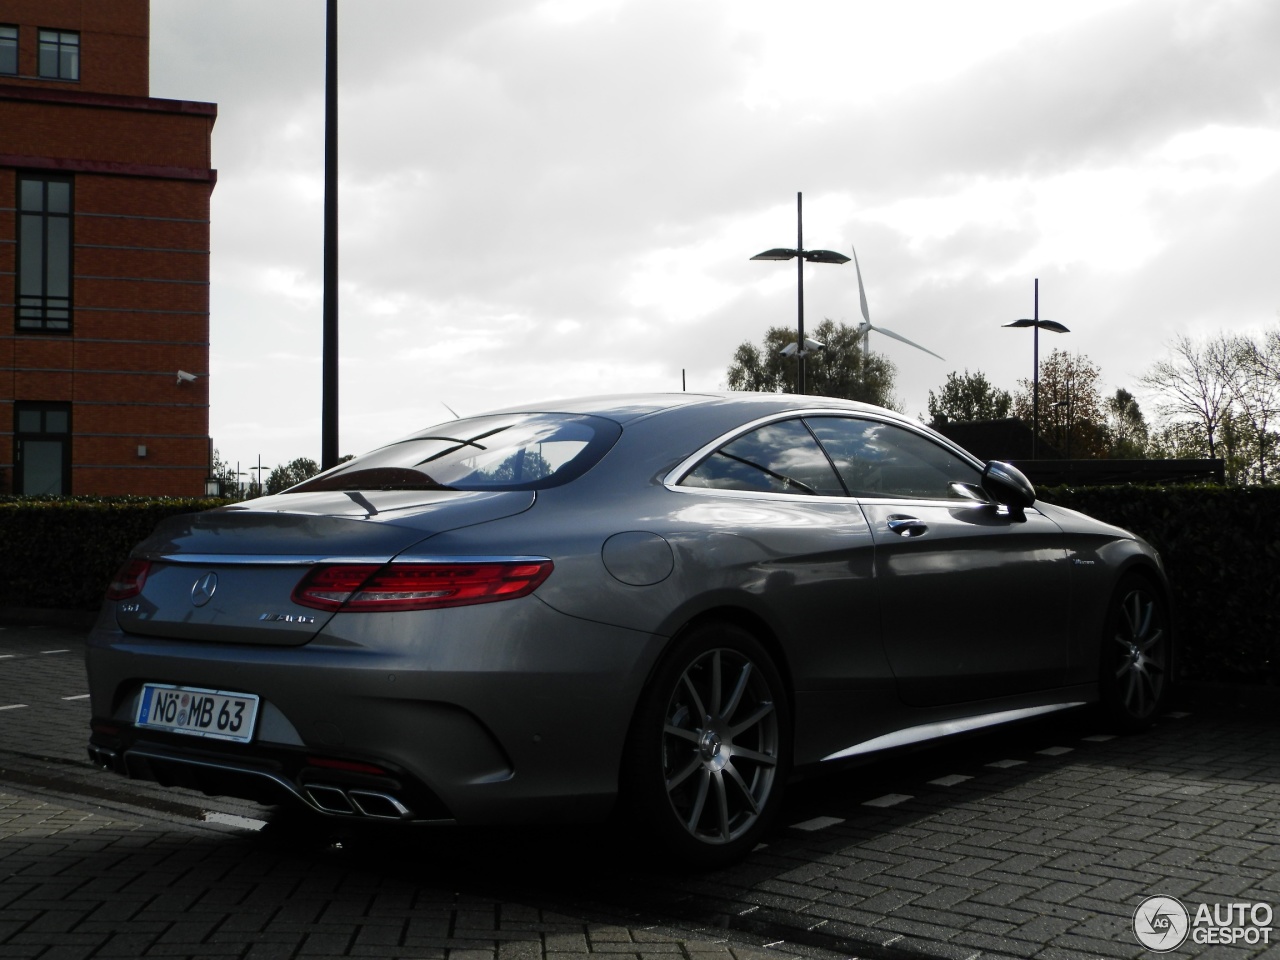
(656, 607)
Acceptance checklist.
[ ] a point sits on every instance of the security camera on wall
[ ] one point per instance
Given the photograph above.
(184, 377)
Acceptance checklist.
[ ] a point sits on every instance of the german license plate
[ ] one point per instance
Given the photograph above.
(198, 712)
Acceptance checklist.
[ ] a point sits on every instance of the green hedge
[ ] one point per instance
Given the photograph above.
(1221, 548)
(60, 553)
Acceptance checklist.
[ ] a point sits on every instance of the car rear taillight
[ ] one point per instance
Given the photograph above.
(360, 587)
(128, 580)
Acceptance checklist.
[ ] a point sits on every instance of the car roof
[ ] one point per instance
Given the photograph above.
(625, 408)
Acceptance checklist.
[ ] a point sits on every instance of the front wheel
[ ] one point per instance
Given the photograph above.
(1136, 656)
(709, 753)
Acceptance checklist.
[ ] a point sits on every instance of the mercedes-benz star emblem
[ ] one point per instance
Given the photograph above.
(202, 590)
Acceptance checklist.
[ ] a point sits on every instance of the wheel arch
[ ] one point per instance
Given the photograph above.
(737, 616)
(747, 620)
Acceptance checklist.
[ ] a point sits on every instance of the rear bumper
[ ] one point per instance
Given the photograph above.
(496, 713)
(269, 780)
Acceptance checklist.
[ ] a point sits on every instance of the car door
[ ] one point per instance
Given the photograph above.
(764, 514)
(973, 598)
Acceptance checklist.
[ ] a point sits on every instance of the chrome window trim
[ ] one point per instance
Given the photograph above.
(672, 480)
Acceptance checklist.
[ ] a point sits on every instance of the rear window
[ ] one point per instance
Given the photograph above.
(508, 452)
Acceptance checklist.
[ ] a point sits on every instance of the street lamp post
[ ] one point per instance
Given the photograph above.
(258, 469)
(1036, 323)
(329, 306)
(813, 256)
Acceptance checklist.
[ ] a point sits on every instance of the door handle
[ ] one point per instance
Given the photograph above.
(905, 526)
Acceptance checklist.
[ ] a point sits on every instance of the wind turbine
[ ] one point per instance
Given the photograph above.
(865, 327)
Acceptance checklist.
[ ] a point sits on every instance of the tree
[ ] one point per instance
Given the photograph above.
(223, 472)
(1127, 433)
(841, 370)
(1220, 398)
(281, 478)
(1255, 390)
(1194, 384)
(1071, 415)
(1179, 440)
(968, 396)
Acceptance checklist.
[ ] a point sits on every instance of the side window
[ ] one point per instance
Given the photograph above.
(59, 55)
(8, 49)
(779, 457)
(42, 448)
(883, 460)
(44, 253)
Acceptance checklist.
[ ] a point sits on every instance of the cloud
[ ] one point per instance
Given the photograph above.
(563, 196)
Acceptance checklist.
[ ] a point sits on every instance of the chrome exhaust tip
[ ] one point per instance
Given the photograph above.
(330, 800)
(103, 758)
(382, 806)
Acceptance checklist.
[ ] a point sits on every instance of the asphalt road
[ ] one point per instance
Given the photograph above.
(1037, 841)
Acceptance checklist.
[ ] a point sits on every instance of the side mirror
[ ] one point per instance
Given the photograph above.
(1006, 484)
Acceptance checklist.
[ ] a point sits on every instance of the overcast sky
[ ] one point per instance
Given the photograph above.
(555, 199)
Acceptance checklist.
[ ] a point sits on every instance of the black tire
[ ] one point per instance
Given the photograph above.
(710, 748)
(1135, 670)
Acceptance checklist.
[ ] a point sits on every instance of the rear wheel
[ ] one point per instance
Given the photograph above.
(710, 748)
(1136, 656)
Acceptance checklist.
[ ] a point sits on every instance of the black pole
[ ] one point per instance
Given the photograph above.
(329, 360)
(800, 287)
(1035, 376)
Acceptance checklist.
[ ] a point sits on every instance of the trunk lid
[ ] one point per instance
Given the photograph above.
(226, 575)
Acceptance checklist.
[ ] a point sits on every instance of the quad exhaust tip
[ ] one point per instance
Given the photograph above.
(327, 798)
(356, 803)
(103, 758)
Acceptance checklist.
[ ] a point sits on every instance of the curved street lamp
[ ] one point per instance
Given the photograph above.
(1036, 324)
(813, 256)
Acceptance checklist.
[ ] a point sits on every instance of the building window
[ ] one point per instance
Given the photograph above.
(59, 55)
(8, 50)
(44, 254)
(42, 448)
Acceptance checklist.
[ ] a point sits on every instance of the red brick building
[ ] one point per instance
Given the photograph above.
(104, 258)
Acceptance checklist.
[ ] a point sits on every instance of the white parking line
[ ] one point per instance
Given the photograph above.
(1006, 764)
(55, 651)
(817, 823)
(1099, 738)
(950, 780)
(888, 800)
(78, 696)
(231, 820)
(13, 706)
(1053, 751)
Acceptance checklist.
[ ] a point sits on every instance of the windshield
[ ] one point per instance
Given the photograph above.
(523, 451)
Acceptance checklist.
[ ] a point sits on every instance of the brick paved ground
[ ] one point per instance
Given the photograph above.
(76, 884)
(1039, 841)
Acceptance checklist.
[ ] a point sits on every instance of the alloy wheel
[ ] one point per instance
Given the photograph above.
(1136, 673)
(721, 744)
